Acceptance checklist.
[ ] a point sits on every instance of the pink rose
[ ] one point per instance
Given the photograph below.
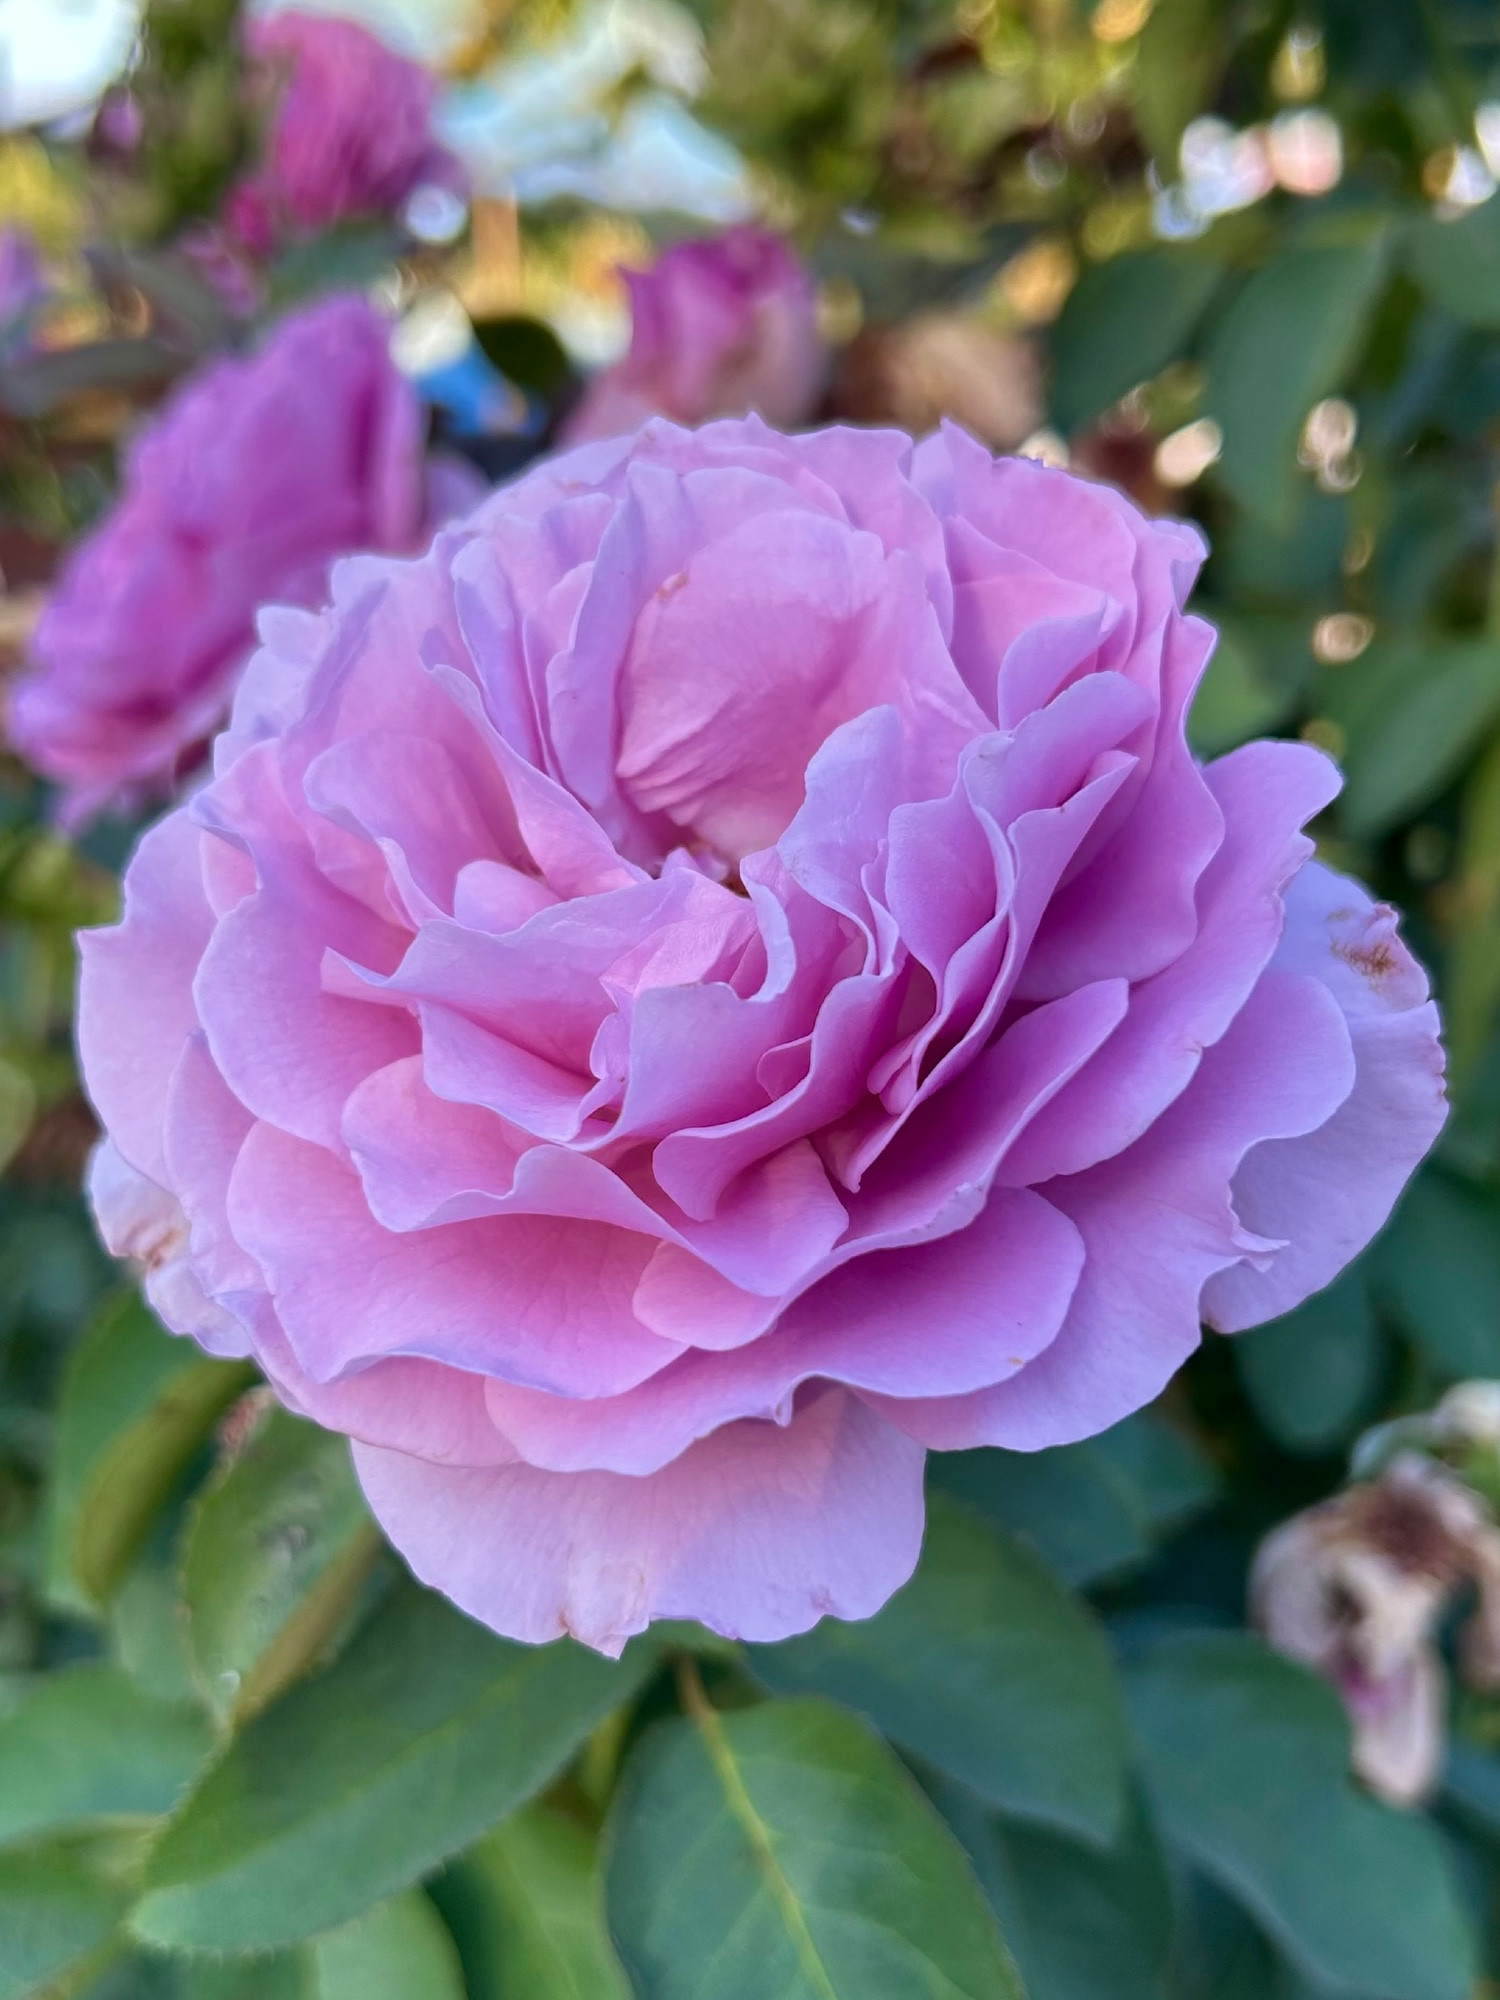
(240, 492)
(718, 328)
(350, 136)
(721, 977)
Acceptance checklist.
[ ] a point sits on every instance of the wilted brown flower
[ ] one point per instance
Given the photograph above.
(942, 364)
(1356, 1587)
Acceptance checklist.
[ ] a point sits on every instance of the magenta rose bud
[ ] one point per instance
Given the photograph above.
(721, 977)
(350, 135)
(718, 328)
(239, 493)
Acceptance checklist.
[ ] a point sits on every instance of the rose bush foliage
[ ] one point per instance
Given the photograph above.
(725, 975)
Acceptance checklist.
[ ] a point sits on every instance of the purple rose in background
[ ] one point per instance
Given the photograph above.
(23, 283)
(350, 134)
(719, 327)
(239, 493)
(720, 977)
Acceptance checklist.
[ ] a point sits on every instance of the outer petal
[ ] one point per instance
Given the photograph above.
(1326, 1194)
(135, 999)
(1156, 1224)
(757, 1531)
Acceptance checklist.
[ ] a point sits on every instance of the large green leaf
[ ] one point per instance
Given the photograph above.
(400, 1950)
(1235, 700)
(1247, 1759)
(1174, 74)
(283, 1975)
(136, 1406)
(60, 1902)
(1312, 1374)
(1095, 1926)
(278, 1549)
(1284, 342)
(1439, 1264)
(1096, 1509)
(423, 1734)
(1084, 1923)
(1123, 322)
(1473, 983)
(527, 1910)
(148, 1624)
(89, 1744)
(1456, 260)
(987, 1666)
(1413, 745)
(782, 1853)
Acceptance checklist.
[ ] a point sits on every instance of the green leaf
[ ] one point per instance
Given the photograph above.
(1474, 955)
(1233, 702)
(1096, 1926)
(526, 1908)
(1247, 1759)
(148, 1627)
(137, 1404)
(1175, 73)
(782, 1853)
(1096, 1509)
(1457, 263)
(400, 1950)
(1285, 342)
(985, 1665)
(1439, 1265)
(1083, 1923)
(1416, 743)
(422, 1735)
(1312, 1375)
(285, 1975)
(278, 1548)
(58, 1907)
(1123, 322)
(1471, 1785)
(88, 1744)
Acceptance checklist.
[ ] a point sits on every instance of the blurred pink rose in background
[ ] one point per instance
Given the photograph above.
(350, 132)
(725, 975)
(240, 492)
(23, 283)
(719, 327)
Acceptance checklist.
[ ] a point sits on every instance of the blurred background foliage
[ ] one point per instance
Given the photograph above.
(1241, 257)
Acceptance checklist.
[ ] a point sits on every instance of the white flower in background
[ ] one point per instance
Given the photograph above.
(58, 56)
(557, 120)
(1223, 169)
(431, 31)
